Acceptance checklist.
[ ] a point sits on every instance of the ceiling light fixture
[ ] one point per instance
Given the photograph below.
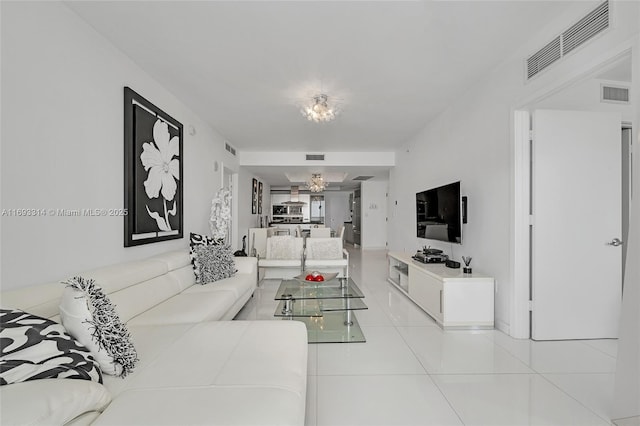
(317, 183)
(320, 111)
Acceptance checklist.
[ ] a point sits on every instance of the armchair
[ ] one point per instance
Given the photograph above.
(327, 255)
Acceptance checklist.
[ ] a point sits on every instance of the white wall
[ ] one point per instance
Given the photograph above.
(62, 146)
(585, 96)
(373, 204)
(337, 209)
(472, 141)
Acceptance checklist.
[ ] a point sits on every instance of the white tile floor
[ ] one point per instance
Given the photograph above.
(410, 372)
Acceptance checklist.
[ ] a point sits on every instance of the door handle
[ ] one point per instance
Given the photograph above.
(615, 242)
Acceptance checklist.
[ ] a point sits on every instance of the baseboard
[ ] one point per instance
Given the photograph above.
(502, 326)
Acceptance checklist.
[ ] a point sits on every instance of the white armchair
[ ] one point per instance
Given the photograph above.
(326, 255)
(284, 257)
(320, 232)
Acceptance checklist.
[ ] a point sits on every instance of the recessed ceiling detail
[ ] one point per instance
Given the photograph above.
(362, 178)
(305, 176)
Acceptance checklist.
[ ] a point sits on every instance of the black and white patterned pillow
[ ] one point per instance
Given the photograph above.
(33, 348)
(88, 314)
(203, 240)
(213, 263)
(196, 240)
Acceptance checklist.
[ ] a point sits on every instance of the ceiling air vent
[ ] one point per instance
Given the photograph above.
(362, 178)
(615, 94)
(229, 148)
(315, 157)
(544, 57)
(586, 28)
(579, 33)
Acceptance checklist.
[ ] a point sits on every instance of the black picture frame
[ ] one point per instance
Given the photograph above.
(254, 196)
(260, 198)
(151, 168)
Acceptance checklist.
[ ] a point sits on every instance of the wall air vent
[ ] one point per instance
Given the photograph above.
(586, 28)
(582, 31)
(362, 178)
(544, 57)
(229, 148)
(617, 94)
(315, 157)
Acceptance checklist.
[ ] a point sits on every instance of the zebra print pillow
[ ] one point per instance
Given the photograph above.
(33, 348)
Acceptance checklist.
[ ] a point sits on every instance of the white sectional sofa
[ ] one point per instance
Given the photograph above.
(195, 367)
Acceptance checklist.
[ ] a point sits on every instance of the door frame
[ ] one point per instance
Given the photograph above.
(520, 256)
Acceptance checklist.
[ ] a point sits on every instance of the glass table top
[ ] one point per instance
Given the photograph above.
(331, 328)
(297, 290)
(325, 307)
(317, 307)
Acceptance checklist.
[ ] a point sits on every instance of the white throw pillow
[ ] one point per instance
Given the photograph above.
(51, 401)
(324, 248)
(88, 315)
(281, 247)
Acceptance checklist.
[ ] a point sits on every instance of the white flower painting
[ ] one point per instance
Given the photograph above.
(153, 143)
(159, 160)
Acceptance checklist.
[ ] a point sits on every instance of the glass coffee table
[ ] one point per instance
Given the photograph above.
(325, 307)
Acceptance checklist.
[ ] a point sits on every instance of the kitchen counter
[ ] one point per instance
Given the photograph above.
(294, 223)
(293, 226)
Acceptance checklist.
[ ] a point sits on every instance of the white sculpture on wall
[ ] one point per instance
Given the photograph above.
(220, 215)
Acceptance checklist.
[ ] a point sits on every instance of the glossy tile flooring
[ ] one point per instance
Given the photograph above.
(410, 372)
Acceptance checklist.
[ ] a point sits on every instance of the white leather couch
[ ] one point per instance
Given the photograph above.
(194, 368)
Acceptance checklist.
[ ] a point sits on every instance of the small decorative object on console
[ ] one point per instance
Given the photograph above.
(315, 276)
(429, 255)
(452, 264)
(467, 262)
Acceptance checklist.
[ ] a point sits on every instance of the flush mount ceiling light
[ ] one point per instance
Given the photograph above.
(317, 183)
(320, 110)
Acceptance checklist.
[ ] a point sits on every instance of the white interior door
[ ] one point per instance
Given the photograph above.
(576, 205)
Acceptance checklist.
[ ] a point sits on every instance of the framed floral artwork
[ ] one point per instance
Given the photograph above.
(152, 172)
(259, 197)
(254, 196)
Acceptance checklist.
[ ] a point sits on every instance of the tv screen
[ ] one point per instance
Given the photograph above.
(438, 213)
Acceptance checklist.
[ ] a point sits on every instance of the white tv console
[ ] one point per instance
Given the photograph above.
(452, 298)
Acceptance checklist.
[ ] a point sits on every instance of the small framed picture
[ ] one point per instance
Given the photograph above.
(260, 198)
(254, 196)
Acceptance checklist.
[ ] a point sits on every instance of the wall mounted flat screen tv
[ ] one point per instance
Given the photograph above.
(438, 213)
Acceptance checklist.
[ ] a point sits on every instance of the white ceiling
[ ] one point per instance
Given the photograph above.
(245, 66)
